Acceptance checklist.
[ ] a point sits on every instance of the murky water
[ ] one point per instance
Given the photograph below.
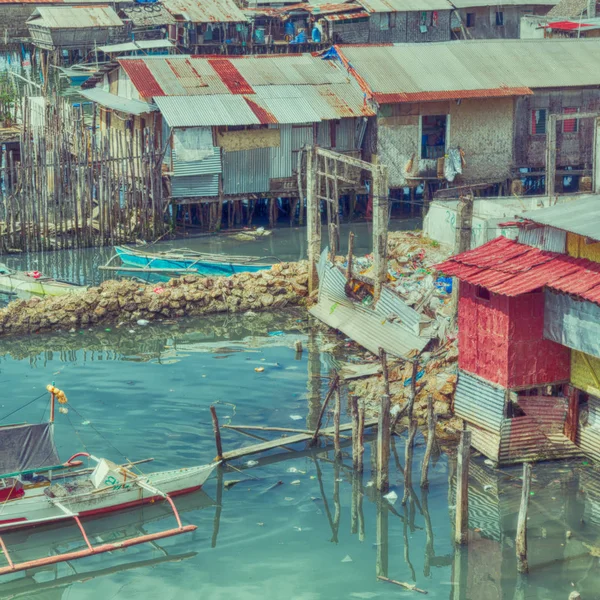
(297, 527)
(285, 244)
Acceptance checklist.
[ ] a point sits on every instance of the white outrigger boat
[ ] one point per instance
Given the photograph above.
(20, 283)
(36, 489)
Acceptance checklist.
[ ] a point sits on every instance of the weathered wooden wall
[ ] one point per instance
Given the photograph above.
(482, 128)
(12, 21)
(573, 149)
(485, 20)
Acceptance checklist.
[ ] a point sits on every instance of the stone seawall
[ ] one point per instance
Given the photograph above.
(125, 300)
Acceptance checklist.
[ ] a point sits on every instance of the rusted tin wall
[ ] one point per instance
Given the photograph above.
(479, 402)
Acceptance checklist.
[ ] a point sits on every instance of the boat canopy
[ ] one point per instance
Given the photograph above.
(25, 447)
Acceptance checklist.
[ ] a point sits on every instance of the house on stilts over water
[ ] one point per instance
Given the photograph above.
(529, 336)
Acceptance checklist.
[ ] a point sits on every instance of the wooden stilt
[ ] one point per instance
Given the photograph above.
(217, 432)
(384, 371)
(521, 541)
(334, 384)
(431, 421)
(462, 488)
(383, 445)
(336, 423)
(350, 255)
(408, 456)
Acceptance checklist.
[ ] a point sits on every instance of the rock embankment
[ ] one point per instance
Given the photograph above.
(286, 284)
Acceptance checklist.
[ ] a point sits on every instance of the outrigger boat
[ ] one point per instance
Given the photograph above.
(186, 261)
(36, 489)
(20, 283)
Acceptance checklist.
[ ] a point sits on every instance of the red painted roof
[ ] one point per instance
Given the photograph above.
(509, 268)
(501, 92)
(142, 78)
(567, 25)
(231, 77)
(263, 115)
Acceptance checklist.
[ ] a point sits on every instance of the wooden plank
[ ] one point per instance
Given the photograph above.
(293, 439)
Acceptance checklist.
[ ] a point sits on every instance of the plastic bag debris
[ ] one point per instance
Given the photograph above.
(142, 322)
(296, 482)
(276, 333)
(259, 369)
(391, 497)
(251, 463)
(295, 417)
(347, 559)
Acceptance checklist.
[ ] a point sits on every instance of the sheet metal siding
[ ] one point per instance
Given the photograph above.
(573, 323)
(211, 164)
(369, 328)
(324, 134)
(479, 403)
(345, 135)
(301, 136)
(246, 171)
(545, 238)
(195, 185)
(281, 157)
(580, 216)
(487, 443)
(588, 437)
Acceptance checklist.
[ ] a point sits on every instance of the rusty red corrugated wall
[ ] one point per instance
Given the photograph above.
(501, 340)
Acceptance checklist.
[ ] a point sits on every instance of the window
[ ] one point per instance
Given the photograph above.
(538, 121)
(384, 21)
(499, 18)
(470, 19)
(570, 125)
(482, 293)
(433, 136)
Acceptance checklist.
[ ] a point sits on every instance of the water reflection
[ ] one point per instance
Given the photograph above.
(297, 524)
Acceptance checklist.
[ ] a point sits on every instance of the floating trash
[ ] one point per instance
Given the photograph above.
(259, 369)
(295, 417)
(347, 558)
(391, 497)
(296, 482)
(288, 499)
(142, 322)
(251, 463)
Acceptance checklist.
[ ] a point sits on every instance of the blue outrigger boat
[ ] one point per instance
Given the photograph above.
(185, 261)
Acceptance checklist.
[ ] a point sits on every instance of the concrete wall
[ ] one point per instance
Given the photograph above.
(485, 20)
(573, 149)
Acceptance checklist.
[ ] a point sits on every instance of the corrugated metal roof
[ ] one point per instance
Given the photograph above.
(509, 268)
(137, 45)
(206, 11)
(568, 8)
(347, 16)
(280, 89)
(131, 107)
(369, 327)
(580, 216)
(498, 4)
(404, 5)
(206, 111)
(149, 14)
(491, 67)
(75, 17)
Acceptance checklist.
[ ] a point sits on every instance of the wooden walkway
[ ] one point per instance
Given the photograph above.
(287, 441)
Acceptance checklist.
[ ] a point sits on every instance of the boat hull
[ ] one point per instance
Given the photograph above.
(37, 508)
(200, 266)
(22, 284)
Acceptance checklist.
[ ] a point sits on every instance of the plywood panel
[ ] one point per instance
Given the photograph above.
(234, 141)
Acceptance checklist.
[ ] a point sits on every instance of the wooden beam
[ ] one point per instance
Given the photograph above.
(349, 160)
(292, 439)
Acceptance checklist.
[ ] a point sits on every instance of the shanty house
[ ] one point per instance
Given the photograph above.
(529, 331)
(233, 127)
(74, 27)
(474, 112)
(400, 21)
(202, 27)
(147, 21)
(485, 19)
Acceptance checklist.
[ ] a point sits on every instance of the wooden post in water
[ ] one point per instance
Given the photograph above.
(431, 420)
(335, 382)
(313, 219)
(408, 456)
(521, 541)
(383, 445)
(462, 488)
(413, 387)
(217, 432)
(358, 421)
(384, 371)
(336, 423)
(350, 255)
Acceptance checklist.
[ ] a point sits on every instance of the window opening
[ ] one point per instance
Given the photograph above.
(433, 136)
(538, 121)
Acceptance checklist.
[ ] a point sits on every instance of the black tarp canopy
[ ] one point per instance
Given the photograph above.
(25, 447)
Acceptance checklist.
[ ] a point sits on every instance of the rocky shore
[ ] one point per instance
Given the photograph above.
(125, 301)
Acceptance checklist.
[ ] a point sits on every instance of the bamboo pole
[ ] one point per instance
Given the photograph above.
(521, 540)
(462, 488)
(217, 432)
(431, 421)
(336, 423)
(408, 456)
(383, 445)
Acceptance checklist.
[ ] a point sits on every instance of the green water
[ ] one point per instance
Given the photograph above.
(145, 392)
